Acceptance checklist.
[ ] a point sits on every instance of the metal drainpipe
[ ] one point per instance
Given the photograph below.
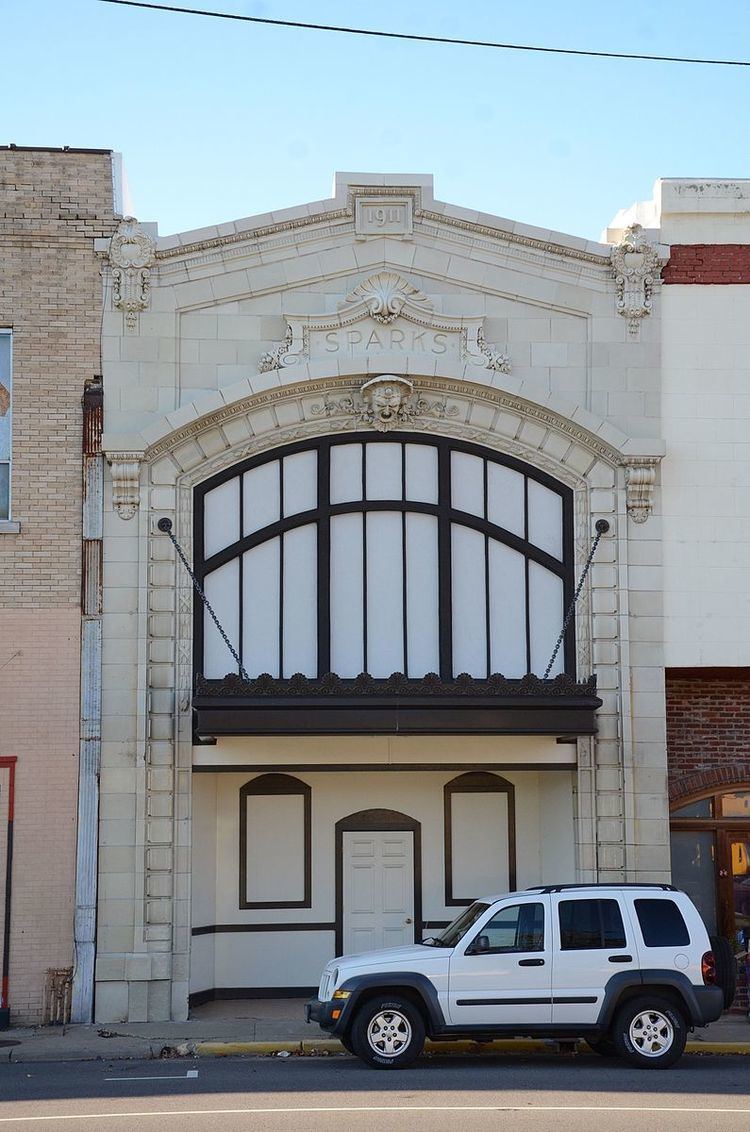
(82, 1007)
(9, 764)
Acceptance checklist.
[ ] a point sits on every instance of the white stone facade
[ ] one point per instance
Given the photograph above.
(240, 339)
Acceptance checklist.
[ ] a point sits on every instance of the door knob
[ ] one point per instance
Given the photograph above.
(408, 920)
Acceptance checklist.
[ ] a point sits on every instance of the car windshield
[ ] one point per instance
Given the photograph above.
(459, 927)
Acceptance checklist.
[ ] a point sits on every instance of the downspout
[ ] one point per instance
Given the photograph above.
(10, 764)
(82, 1007)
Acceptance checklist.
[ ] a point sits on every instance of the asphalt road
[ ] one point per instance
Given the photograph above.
(564, 1093)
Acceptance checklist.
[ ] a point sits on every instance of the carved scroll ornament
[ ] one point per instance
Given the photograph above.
(636, 266)
(126, 481)
(640, 472)
(131, 255)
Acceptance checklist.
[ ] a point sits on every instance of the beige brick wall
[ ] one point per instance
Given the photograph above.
(53, 205)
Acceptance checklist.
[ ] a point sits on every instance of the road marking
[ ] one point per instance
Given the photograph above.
(375, 1108)
(174, 1077)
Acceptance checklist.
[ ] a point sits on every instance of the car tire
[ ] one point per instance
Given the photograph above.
(605, 1047)
(726, 968)
(650, 1032)
(346, 1042)
(388, 1033)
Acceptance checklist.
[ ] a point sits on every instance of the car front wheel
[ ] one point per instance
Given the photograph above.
(650, 1033)
(388, 1033)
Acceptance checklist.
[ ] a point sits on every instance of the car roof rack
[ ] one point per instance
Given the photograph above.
(599, 884)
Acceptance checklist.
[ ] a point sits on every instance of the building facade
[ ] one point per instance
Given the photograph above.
(54, 205)
(383, 429)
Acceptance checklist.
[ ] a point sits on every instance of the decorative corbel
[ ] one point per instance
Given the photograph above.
(636, 266)
(131, 255)
(640, 475)
(126, 481)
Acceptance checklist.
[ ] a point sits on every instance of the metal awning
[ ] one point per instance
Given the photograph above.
(329, 705)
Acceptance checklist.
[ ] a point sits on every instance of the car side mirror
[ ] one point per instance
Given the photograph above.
(480, 944)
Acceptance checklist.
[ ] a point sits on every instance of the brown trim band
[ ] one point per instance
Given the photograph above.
(222, 994)
(245, 768)
(220, 929)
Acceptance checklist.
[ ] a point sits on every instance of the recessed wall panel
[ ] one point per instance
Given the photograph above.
(275, 864)
(479, 844)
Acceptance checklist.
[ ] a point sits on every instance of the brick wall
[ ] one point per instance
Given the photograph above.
(708, 263)
(708, 742)
(52, 206)
(708, 729)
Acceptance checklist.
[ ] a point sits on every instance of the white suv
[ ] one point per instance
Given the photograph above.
(627, 967)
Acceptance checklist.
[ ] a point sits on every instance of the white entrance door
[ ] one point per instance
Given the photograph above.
(378, 870)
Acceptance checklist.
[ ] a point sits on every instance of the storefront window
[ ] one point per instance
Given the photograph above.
(736, 805)
(701, 809)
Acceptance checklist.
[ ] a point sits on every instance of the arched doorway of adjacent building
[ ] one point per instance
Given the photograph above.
(710, 834)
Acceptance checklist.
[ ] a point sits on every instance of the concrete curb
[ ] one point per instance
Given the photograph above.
(511, 1046)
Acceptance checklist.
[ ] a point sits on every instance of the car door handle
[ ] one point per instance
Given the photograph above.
(530, 962)
(621, 958)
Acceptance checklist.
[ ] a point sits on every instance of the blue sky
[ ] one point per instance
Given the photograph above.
(219, 120)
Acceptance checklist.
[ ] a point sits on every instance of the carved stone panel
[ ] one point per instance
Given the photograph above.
(386, 314)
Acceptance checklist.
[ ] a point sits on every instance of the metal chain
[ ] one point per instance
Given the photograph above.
(165, 526)
(602, 526)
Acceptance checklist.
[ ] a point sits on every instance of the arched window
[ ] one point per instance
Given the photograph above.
(386, 554)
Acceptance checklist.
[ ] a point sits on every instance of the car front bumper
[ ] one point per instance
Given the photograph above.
(328, 1015)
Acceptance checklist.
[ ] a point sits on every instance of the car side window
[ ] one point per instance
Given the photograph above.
(519, 927)
(661, 923)
(590, 924)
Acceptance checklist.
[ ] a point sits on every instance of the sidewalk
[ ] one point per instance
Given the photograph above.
(265, 1027)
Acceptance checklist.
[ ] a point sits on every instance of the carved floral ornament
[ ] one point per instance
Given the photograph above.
(131, 256)
(385, 314)
(636, 265)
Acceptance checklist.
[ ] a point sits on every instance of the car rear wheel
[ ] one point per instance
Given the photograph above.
(650, 1032)
(388, 1033)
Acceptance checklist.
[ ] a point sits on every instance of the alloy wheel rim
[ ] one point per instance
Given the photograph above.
(651, 1033)
(389, 1032)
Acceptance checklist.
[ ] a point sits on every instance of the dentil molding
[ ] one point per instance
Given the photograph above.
(131, 255)
(126, 481)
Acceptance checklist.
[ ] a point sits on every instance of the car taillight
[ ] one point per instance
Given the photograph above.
(708, 968)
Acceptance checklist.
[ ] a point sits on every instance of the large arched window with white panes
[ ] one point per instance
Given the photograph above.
(404, 553)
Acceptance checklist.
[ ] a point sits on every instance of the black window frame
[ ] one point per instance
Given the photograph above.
(443, 510)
